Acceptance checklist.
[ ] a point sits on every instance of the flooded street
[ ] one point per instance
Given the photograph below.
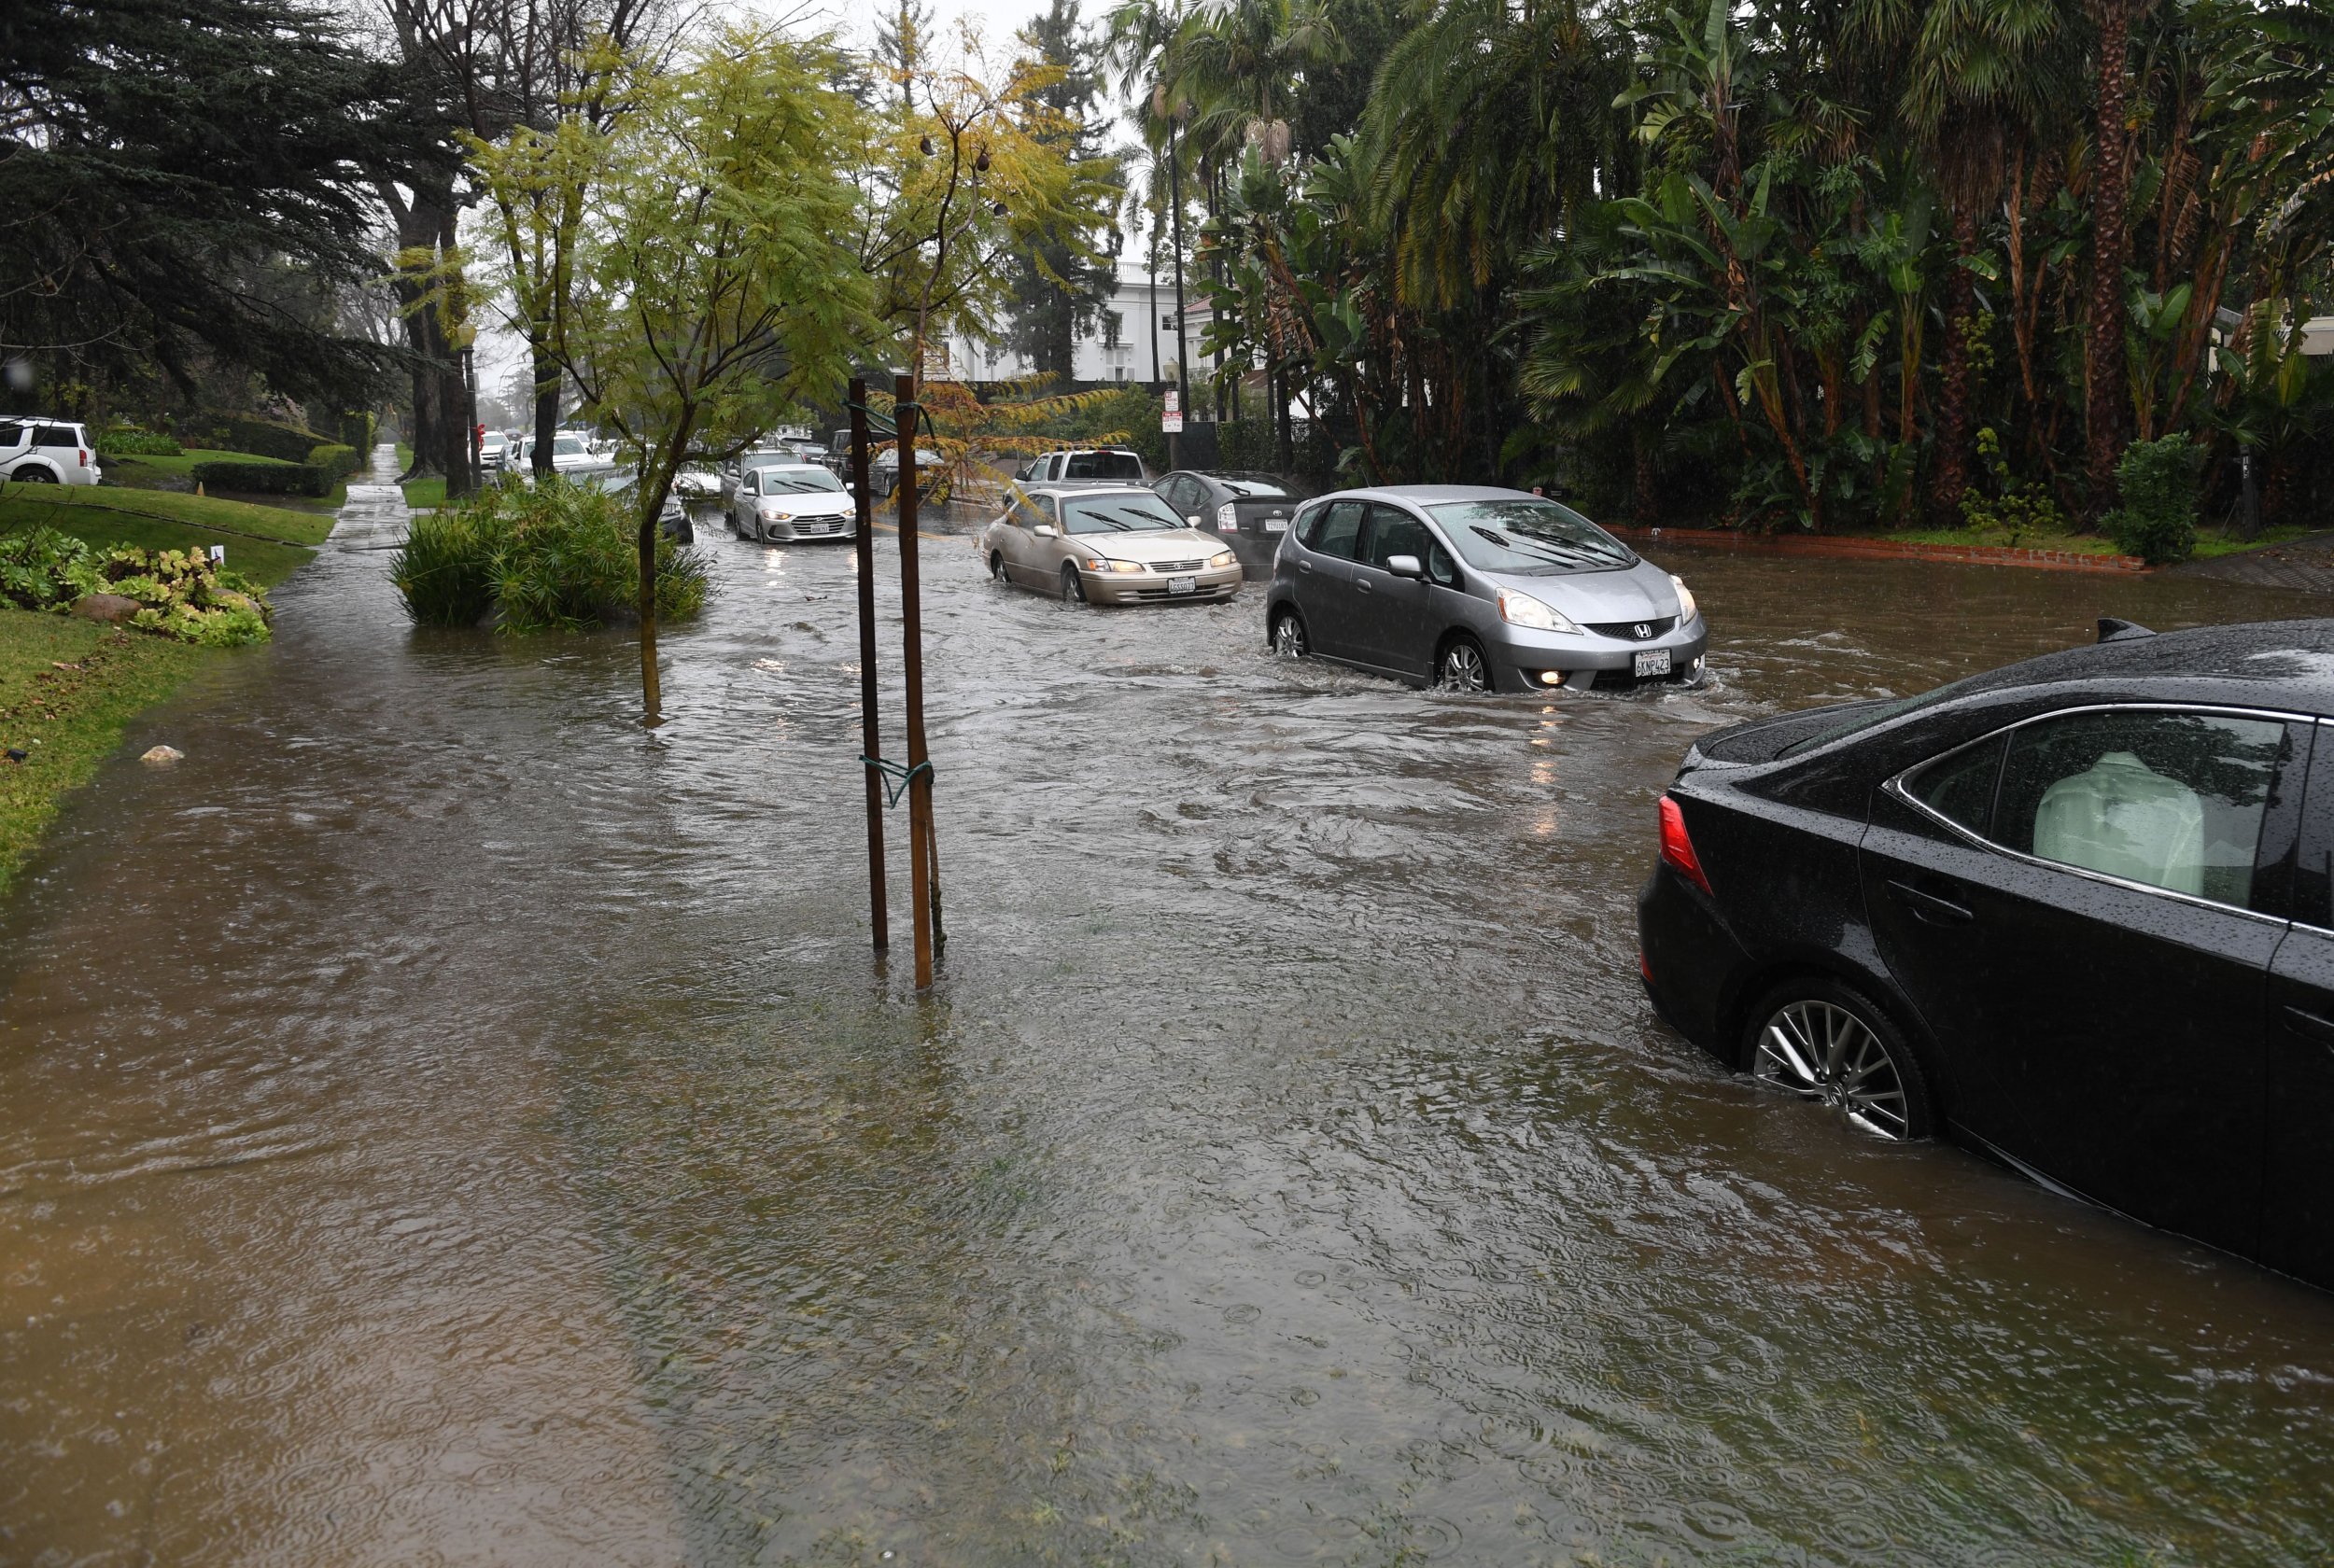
(443, 1122)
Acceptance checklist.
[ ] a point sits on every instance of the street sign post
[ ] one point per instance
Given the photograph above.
(1171, 417)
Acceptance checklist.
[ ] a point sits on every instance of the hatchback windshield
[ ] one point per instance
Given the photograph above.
(1528, 536)
(1104, 465)
(1116, 514)
(798, 481)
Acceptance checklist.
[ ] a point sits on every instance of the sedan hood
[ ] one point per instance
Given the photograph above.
(1642, 592)
(812, 503)
(1167, 544)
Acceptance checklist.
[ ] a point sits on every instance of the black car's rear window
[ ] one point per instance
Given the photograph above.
(1103, 465)
(1870, 718)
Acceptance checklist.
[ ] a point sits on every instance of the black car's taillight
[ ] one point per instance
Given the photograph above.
(1678, 849)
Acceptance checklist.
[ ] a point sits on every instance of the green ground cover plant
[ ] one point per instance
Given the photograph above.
(558, 558)
(264, 479)
(180, 594)
(68, 689)
(128, 440)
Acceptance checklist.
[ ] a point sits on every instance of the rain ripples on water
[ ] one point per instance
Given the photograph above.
(440, 1122)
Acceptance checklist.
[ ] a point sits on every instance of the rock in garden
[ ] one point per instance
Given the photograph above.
(108, 607)
(160, 756)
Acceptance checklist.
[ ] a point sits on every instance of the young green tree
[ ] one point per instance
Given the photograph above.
(1063, 276)
(714, 291)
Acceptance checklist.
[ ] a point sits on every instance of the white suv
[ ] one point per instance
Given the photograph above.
(46, 451)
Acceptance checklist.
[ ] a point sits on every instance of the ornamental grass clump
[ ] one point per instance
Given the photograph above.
(559, 557)
(178, 594)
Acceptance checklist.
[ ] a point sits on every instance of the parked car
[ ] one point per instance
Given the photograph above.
(494, 449)
(1247, 511)
(2076, 913)
(781, 503)
(572, 455)
(734, 471)
(1477, 590)
(35, 451)
(1115, 545)
(883, 472)
(672, 517)
(1087, 465)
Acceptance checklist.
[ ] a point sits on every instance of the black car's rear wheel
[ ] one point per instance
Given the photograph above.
(1822, 1041)
(1461, 666)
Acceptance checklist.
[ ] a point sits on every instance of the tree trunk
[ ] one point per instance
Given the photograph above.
(1944, 496)
(2104, 372)
(1644, 503)
(546, 412)
(652, 693)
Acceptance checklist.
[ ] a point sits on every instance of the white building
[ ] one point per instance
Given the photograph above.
(1131, 337)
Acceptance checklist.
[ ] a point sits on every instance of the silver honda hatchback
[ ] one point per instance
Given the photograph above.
(1477, 589)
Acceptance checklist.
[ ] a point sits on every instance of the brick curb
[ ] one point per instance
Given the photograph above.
(1901, 550)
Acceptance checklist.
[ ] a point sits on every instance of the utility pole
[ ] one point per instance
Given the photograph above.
(1183, 368)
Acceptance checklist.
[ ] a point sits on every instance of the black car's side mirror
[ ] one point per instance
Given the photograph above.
(1404, 565)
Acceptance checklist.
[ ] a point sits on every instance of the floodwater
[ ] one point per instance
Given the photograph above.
(442, 1122)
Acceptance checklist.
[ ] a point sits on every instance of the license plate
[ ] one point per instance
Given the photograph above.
(1276, 525)
(1653, 661)
(1191, 585)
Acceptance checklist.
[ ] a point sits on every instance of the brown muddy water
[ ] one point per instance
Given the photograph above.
(440, 1122)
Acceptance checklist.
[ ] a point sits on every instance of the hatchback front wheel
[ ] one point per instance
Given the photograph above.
(1288, 635)
(1462, 666)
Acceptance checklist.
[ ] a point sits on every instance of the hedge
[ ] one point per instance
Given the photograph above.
(338, 461)
(265, 479)
(236, 432)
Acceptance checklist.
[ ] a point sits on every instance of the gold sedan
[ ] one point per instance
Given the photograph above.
(1105, 544)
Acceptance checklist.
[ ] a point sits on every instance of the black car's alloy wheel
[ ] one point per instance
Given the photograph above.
(1462, 666)
(1288, 635)
(1073, 591)
(1820, 1041)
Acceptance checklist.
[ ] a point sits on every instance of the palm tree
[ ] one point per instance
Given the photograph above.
(1986, 79)
(2106, 406)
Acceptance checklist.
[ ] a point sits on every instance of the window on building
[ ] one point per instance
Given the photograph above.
(1167, 321)
(1114, 329)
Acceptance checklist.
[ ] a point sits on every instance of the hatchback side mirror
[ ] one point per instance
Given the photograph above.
(1192, 518)
(1404, 565)
(1047, 530)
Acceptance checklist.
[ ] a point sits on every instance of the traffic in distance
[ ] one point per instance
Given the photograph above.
(2076, 915)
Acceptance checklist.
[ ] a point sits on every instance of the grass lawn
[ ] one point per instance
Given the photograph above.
(183, 465)
(176, 474)
(67, 690)
(2209, 543)
(267, 544)
(426, 494)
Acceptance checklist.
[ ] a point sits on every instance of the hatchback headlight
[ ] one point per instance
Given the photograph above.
(1221, 558)
(1226, 516)
(1687, 609)
(1521, 609)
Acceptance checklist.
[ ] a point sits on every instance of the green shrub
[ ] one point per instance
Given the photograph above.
(356, 430)
(235, 432)
(179, 592)
(445, 570)
(337, 460)
(125, 441)
(2158, 482)
(41, 568)
(264, 479)
(556, 557)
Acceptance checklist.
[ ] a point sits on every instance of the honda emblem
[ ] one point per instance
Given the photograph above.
(1643, 630)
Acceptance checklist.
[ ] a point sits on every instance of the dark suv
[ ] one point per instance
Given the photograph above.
(2077, 913)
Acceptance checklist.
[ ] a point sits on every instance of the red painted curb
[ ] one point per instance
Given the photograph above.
(1839, 548)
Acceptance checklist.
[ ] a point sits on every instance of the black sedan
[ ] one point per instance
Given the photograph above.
(2077, 913)
(1250, 511)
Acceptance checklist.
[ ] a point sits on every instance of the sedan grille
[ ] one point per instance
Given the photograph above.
(1633, 631)
(1177, 566)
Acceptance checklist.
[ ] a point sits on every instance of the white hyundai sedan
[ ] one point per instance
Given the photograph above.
(779, 503)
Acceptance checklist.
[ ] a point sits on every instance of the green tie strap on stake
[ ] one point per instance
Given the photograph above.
(891, 771)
